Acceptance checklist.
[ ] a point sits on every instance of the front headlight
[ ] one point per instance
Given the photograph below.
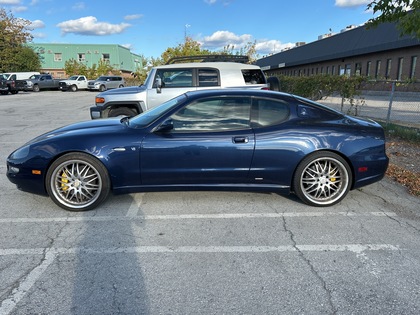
(29, 83)
(20, 153)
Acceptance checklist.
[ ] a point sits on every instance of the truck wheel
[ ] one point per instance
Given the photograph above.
(73, 88)
(36, 88)
(14, 92)
(5, 92)
(122, 111)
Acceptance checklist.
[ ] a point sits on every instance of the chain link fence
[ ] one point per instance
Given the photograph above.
(390, 102)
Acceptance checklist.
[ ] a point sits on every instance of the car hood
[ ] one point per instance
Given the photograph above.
(85, 128)
(125, 90)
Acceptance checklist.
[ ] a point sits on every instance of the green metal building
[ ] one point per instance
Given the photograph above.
(54, 56)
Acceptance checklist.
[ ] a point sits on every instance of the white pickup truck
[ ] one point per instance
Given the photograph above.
(74, 83)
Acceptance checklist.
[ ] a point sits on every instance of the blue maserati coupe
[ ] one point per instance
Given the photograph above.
(207, 140)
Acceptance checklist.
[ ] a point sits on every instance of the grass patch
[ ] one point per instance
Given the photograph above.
(410, 134)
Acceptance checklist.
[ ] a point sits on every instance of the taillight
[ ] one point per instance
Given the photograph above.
(99, 100)
(265, 88)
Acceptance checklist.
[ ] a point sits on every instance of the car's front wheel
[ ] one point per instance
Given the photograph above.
(77, 182)
(122, 111)
(322, 179)
(73, 88)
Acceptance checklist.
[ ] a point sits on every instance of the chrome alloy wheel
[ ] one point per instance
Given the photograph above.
(76, 184)
(323, 179)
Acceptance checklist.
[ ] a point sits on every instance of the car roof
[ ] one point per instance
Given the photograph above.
(236, 92)
(218, 65)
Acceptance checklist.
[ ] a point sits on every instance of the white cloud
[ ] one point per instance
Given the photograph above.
(39, 35)
(79, 6)
(10, 2)
(89, 25)
(133, 17)
(221, 39)
(210, 1)
(18, 9)
(266, 47)
(37, 24)
(351, 3)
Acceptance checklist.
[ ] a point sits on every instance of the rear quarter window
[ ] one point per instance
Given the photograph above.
(253, 76)
(266, 112)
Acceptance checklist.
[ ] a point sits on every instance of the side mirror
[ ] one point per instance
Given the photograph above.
(158, 85)
(167, 125)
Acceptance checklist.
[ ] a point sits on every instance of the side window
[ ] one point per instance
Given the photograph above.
(175, 77)
(208, 77)
(213, 115)
(268, 112)
(253, 76)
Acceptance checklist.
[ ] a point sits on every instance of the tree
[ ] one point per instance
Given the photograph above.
(188, 48)
(14, 34)
(406, 13)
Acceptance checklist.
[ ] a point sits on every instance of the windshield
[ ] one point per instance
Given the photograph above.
(152, 114)
(73, 77)
(32, 77)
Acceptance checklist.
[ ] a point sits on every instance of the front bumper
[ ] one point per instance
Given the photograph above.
(95, 112)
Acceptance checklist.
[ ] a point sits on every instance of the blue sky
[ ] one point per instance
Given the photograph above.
(149, 27)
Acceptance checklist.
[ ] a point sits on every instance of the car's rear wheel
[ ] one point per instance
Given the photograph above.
(322, 179)
(77, 182)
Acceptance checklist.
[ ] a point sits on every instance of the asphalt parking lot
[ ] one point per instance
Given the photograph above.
(199, 252)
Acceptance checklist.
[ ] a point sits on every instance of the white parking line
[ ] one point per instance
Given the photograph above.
(131, 215)
(18, 293)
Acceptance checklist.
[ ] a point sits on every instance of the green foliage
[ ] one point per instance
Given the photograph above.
(73, 67)
(320, 86)
(14, 34)
(410, 134)
(405, 12)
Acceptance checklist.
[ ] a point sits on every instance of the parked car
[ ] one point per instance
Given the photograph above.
(74, 83)
(167, 81)
(106, 82)
(225, 139)
(10, 83)
(39, 82)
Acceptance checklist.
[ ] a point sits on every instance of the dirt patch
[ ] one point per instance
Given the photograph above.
(404, 163)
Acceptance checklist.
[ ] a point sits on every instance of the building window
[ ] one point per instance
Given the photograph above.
(400, 68)
(105, 57)
(332, 70)
(388, 68)
(81, 57)
(58, 57)
(328, 70)
(378, 69)
(368, 66)
(358, 69)
(413, 67)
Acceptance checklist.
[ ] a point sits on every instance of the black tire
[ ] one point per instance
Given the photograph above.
(14, 92)
(36, 88)
(77, 182)
(73, 88)
(120, 86)
(102, 88)
(274, 83)
(322, 179)
(122, 111)
(4, 92)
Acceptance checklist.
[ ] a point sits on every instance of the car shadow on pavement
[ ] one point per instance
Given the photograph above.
(108, 270)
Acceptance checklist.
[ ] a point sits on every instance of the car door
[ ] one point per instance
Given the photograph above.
(175, 81)
(211, 143)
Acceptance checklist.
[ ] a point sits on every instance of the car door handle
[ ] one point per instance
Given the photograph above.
(240, 140)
